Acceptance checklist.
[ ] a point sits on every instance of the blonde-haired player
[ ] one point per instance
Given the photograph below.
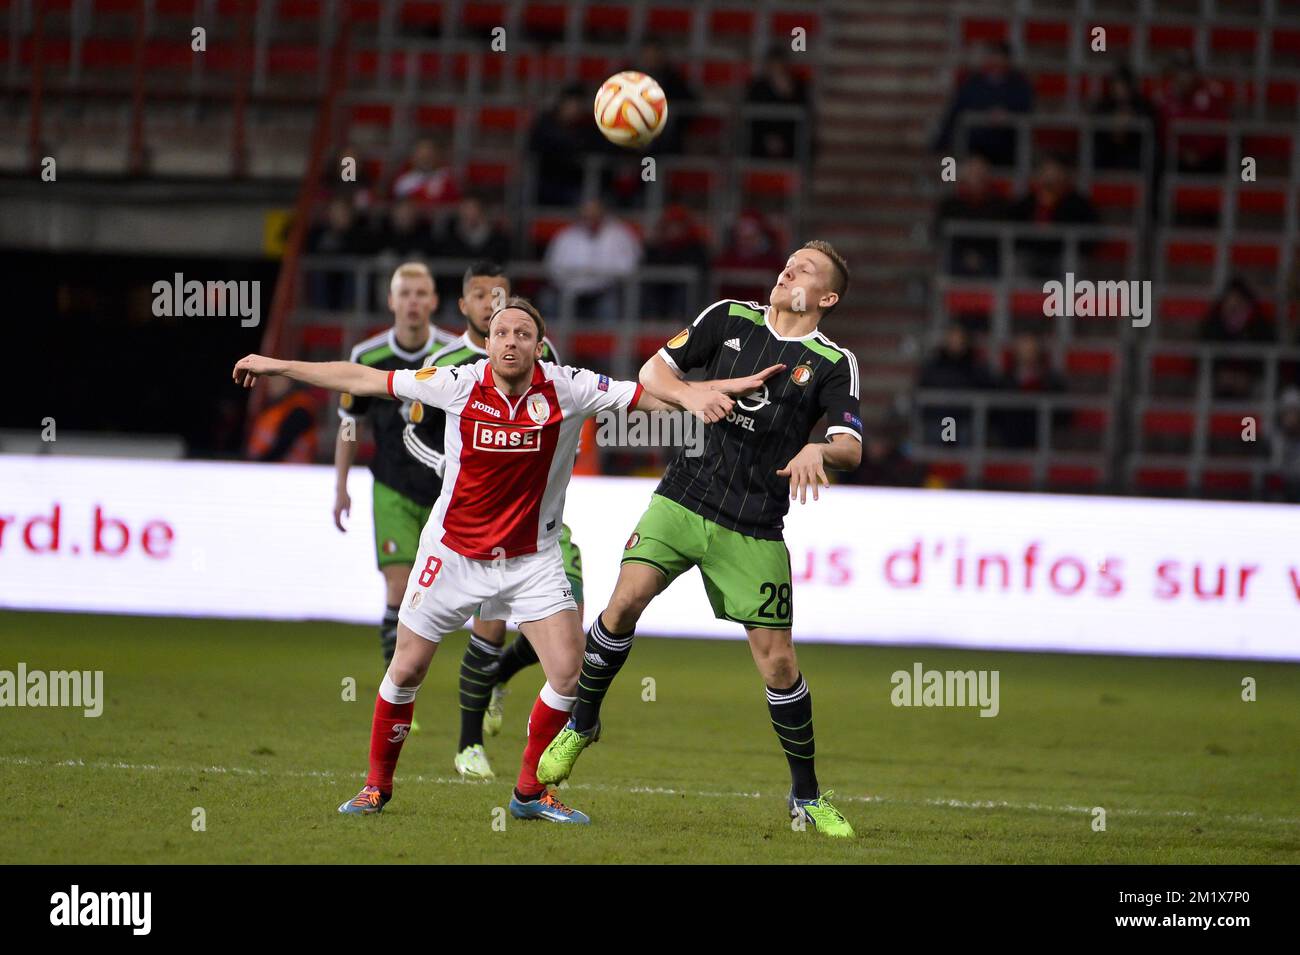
(403, 493)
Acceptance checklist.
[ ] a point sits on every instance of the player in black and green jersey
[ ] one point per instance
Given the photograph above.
(403, 493)
(486, 666)
(723, 511)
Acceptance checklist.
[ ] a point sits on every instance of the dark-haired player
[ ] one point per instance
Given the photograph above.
(724, 510)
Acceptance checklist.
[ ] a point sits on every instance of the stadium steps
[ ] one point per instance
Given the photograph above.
(884, 82)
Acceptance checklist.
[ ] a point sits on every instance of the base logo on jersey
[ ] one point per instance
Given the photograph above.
(678, 340)
(632, 541)
(504, 437)
(802, 374)
(424, 374)
(389, 546)
(539, 409)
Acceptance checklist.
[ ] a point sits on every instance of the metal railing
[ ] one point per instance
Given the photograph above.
(980, 404)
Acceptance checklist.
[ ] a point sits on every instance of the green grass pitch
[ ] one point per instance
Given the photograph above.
(246, 721)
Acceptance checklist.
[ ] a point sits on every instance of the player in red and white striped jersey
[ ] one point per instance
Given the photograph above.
(492, 539)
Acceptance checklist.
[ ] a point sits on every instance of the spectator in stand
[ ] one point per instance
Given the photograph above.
(885, 462)
(752, 243)
(976, 200)
(1052, 199)
(560, 139)
(1030, 371)
(994, 87)
(1236, 317)
(469, 234)
(285, 429)
(778, 85)
(340, 234)
(361, 190)
(678, 239)
(680, 95)
(406, 233)
(953, 367)
(427, 179)
(587, 262)
(1286, 445)
(1120, 147)
(1186, 95)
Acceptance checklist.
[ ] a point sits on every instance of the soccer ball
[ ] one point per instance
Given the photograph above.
(631, 109)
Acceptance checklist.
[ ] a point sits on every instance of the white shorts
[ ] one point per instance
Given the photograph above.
(446, 588)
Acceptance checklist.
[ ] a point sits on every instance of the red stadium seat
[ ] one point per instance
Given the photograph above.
(1239, 482)
(482, 174)
(1008, 474)
(1073, 476)
(421, 14)
(1164, 37)
(770, 183)
(607, 18)
(435, 117)
(1168, 422)
(302, 9)
(1261, 209)
(736, 22)
(949, 472)
(543, 229)
(1160, 479)
(1090, 420)
(545, 17)
(483, 16)
(372, 114)
(977, 30)
(959, 301)
(669, 20)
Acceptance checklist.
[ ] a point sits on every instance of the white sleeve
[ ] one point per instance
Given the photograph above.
(594, 392)
(432, 385)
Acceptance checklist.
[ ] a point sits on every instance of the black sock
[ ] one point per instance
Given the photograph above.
(524, 797)
(606, 653)
(478, 674)
(388, 634)
(515, 657)
(791, 711)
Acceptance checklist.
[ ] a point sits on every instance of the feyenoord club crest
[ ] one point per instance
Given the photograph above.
(801, 374)
(539, 409)
(632, 541)
(390, 546)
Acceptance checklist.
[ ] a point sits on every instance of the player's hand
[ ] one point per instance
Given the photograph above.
(805, 470)
(248, 368)
(739, 387)
(342, 505)
(706, 404)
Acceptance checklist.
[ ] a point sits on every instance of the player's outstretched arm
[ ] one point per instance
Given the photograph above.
(344, 376)
(807, 469)
(660, 382)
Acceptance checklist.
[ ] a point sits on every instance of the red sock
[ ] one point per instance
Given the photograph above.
(387, 733)
(544, 725)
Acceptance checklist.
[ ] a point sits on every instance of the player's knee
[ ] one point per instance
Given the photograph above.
(779, 667)
(624, 610)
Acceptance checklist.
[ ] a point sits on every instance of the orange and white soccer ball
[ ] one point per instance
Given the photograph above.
(631, 109)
